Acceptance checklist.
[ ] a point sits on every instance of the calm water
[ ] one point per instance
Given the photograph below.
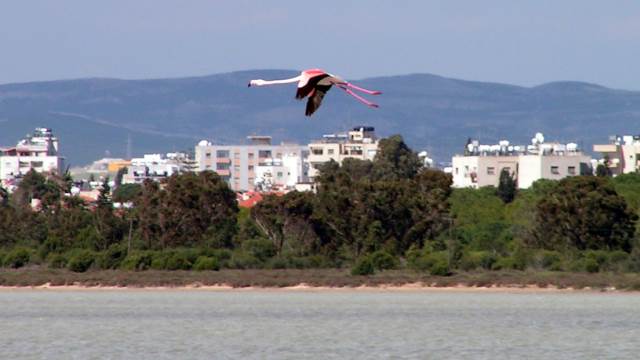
(294, 325)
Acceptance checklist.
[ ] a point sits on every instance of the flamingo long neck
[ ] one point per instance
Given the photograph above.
(283, 81)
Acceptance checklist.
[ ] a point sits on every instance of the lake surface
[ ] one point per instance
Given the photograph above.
(170, 324)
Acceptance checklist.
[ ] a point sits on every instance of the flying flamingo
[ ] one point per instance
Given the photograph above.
(314, 83)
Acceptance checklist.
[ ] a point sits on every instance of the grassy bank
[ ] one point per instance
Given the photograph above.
(37, 276)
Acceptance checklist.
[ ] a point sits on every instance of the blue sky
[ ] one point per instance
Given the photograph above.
(525, 43)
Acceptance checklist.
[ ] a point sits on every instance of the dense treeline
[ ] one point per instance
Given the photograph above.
(366, 215)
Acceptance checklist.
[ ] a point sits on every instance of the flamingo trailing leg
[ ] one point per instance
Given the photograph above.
(314, 84)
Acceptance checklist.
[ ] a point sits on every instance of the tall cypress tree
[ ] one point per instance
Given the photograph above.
(507, 186)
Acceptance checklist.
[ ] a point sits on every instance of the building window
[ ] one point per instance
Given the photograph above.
(491, 170)
(222, 153)
(555, 170)
(330, 151)
(222, 166)
(279, 155)
(250, 156)
(279, 174)
(508, 169)
(571, 170)
(456, 171)
(250, 167)
(208, 155)
(316, 151)
(264, 154)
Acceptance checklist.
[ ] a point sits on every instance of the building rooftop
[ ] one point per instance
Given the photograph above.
(505, 148)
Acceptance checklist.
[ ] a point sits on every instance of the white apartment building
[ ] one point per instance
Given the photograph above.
(155, 167)
(359, 143)
(481, 165)
(623, 153)
(259, 162)
(38, 151)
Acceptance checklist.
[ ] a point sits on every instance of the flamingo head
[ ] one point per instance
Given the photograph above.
(258, 82)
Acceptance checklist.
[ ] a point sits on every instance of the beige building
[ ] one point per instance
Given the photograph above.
(481, 165)
(238, 164)
(359, 143)
(623, 153)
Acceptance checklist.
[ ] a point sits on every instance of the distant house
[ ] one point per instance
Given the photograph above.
(38, 152)
(622, 154)
(156, 167)
(259, 165)
(359, 143)
(481, 165)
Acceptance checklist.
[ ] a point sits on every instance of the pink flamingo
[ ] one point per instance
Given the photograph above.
(315, 83)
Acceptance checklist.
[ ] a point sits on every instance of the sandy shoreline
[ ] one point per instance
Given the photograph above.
(302, 287)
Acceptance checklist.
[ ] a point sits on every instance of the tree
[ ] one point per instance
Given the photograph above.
(287, 221)
(127, 192)
(109, 227)
(604, 169)
(507, 186)
(35, 185)
(480, 222)
(192, 210)
(584, 212)
(395, 160)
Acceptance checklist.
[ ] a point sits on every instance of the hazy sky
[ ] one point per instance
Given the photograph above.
(520, 42)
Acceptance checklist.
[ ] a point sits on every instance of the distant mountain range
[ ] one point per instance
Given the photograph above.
(94, 117)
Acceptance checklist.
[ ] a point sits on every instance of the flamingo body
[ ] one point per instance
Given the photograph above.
(314, 84)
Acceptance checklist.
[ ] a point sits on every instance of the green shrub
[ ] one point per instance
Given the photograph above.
(220, 254)
(57, 261)
(363, 266)
(137, 261)
(382, 260)
(112, 257)
(618, 261)
(591, 265)
(550, 260)
(206, 263)
(278, 262)
(440, 267)
(319, 262)
(17, 258)
(262, 249)
(160, 259)
(242, 260)
(472, 260)
(81, 261)
(600, 256)
(428, 261)
(505, 263)
(179, 260)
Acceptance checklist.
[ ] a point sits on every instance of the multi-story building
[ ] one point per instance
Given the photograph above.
(156, 167)
(622, 153)
(38, 151)
(481, 165)
(239, 164)
(359, 143)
